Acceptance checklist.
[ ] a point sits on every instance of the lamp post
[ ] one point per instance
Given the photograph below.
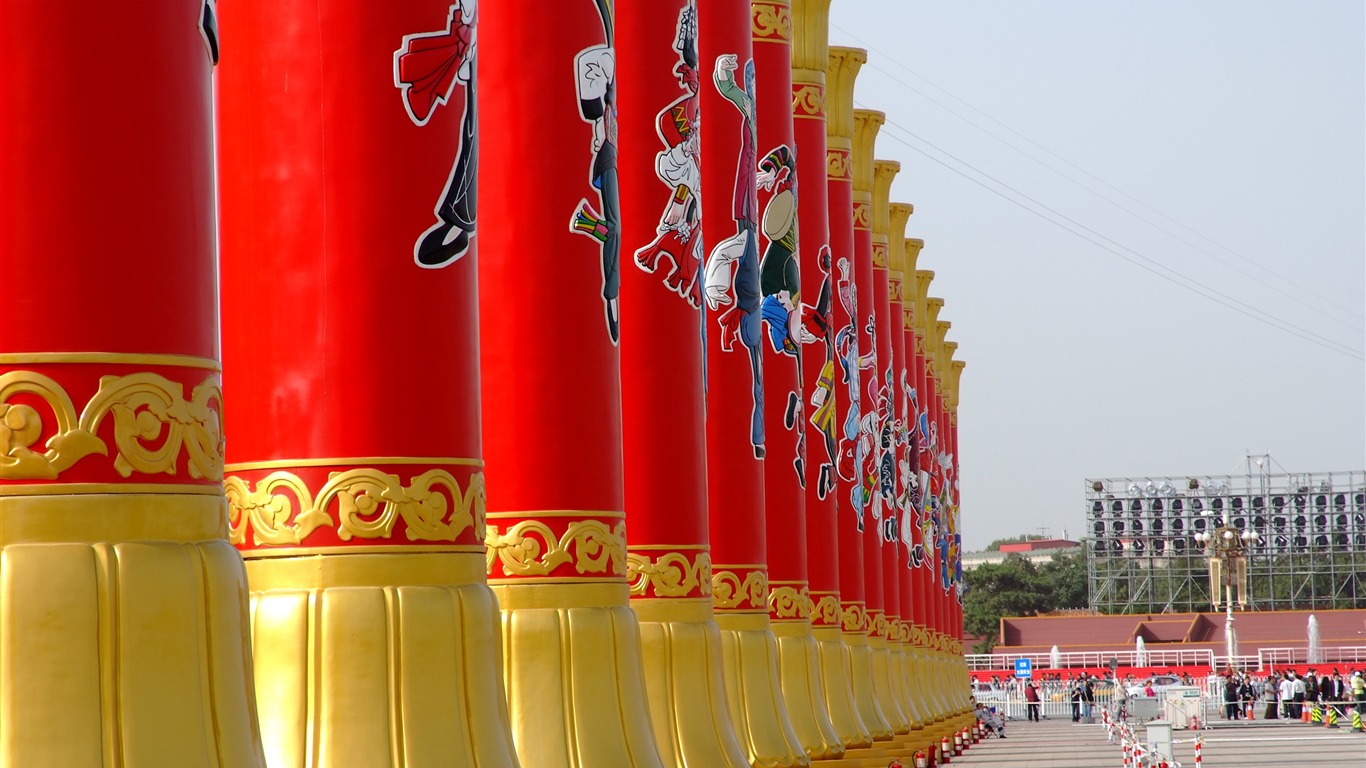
(1228, 550)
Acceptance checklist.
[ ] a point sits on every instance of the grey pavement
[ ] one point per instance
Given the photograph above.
(1060, 744)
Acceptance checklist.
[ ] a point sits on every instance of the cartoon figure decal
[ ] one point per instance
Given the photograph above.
(426, 69)
(596, 81)
(780, 279)
(208, 28)
(679, 237)
(852, 445)
(869, 427)
(818, 327)
(733, 265)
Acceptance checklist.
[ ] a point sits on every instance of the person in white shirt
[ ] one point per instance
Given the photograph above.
(1299, 694)
(1287, 698)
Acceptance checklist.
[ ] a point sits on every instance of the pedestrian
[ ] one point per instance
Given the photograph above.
(1359, 691)
(1088, 699)
(1031, 695)
(1230, 698)
(1297, 685)
(1272, 696)
(1076, 701)
(1287, 688)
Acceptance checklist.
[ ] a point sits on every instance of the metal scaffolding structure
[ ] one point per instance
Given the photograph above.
(1309, 551)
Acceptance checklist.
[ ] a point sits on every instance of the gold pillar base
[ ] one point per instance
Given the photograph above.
(839, 694)
(384, 659)
(881, 659)
(861, 680)
(750, 655)
(799, 671)
(123, 634)
(575, 679)
(900, 685)
(684, 681)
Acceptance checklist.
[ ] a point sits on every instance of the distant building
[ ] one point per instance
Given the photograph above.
(1037, 551)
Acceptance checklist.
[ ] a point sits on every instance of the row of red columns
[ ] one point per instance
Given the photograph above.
(664, 427)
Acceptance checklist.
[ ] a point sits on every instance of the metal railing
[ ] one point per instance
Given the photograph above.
(986, 662)
(1273, 657)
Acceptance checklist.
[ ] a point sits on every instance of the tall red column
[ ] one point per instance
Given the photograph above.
(820, 371)
(903, 374)
(962, 680)
(864, 489)
(356, 486)
(550, 311)
(844, 65)
(736, 434)
(884, 497)
(785, 420)
(917, 285)
(124, 638)
(668, 555)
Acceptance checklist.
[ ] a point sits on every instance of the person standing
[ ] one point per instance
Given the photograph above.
(1359, 690)
(1031, 694)
(1287, 690)
(1230, 698)
(1298, 688)
(1075, 694)
(1088, 700)
(1272, 696)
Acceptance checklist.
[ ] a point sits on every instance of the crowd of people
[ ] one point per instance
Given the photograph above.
(1286, 694)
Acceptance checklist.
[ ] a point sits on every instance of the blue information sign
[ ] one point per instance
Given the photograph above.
(1024, 668)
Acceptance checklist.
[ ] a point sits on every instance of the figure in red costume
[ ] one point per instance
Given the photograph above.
(677, 165)
(426, 68)
(817, 326)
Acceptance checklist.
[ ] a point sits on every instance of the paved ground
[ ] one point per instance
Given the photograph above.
(1060, 744)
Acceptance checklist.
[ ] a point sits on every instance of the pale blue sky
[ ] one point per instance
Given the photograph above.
(1242, 121)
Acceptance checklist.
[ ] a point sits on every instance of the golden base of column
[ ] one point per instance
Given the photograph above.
(861, 680)
(123, 634)
(575, 679)
(901, 687)
(681, 649)
(839, 693)
(750, 654)
(799, 671)
(386, 659)
(881, 662)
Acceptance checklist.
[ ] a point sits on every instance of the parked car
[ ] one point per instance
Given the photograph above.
(1159, 684)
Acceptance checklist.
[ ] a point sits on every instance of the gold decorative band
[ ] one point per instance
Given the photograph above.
(863, 215)
(532, 548)
(826, 611)
(87, 489)
(671, 574)
(838, 165)
(110, 358)
(153, 424)
(879, 255)
(112, 518)
(790, 602)
(740, 587)
(877, 623)
(369, 504)
(808, 101)
(853, 616)
(772, 21)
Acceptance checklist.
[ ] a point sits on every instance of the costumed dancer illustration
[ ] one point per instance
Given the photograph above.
(780, 278)
(817, 327)
(924, 511)
(854, 443)
(427, 68)
(908, 467)
(733, 265)
(678, 165)
(888, 427)
(870, 429)
(596, 82)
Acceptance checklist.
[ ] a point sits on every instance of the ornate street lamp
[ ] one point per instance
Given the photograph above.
(1228, 550)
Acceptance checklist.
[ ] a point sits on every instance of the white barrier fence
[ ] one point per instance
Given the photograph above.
(1265, 659)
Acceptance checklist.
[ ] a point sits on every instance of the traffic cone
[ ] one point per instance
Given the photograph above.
(1304, 714)
(1250, 710)
(1330, 717)
(1316, 715)
(1356, 721)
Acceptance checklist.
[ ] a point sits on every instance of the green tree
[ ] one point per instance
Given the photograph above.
(1018, 587)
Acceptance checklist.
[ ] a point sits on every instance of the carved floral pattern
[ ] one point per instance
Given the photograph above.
(808, 100)
(837, 164)
(153, 424)
(863, 215)
(369, 504)
(853, 617)
(730, 591)
(786, 602)
(772, 20)
(532, 548)
(669, 575)
(827, 611)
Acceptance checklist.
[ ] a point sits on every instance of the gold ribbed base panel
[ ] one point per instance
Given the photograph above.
(575, 680)
(799, 672)
(839, 694)
(935, 685)
(123, 634)
(901, 685)
(750, 654)
(378, 660)
(861, 679)
(881, 659)
(684, 681)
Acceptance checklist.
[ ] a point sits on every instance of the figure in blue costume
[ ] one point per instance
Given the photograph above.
(733, 266)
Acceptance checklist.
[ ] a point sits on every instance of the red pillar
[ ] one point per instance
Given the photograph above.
(820, 305)
(867, 504)
(356, 481)
(913, 595)
(668, 560)
(550, 321)
(124, 638)
(736, 434)
(784, 413)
